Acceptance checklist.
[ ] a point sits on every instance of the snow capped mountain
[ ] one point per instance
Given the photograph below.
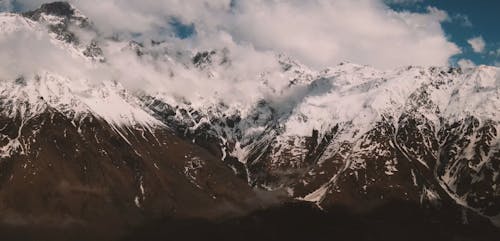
(348, 135)
(354, 125)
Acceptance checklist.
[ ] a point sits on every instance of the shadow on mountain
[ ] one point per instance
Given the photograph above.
(302, 221)
(398, 221)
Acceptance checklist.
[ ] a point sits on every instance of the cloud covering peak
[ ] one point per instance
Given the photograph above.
(319, 33)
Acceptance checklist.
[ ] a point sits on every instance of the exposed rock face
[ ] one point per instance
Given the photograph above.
(61, 9)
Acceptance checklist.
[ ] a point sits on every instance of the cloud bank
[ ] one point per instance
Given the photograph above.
(318, 33)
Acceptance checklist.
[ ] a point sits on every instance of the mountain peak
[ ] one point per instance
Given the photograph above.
(58, 8)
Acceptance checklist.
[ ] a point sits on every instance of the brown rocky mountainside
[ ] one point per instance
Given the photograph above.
(99, 176)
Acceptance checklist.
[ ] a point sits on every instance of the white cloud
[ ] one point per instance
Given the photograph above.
(466, 63)
(42, 55)
(323, 33)
(477, 44)
(317, 32)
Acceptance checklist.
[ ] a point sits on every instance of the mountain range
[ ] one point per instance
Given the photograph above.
(77, 152)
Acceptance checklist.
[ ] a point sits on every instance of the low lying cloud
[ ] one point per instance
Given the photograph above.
(319, 33)
(26, 53)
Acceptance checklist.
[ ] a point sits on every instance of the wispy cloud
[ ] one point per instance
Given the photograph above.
(462, 19)
(478, 44)
(494, 53)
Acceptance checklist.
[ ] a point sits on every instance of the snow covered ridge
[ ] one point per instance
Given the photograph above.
(109, 101)
(303, 100)
(293, 97)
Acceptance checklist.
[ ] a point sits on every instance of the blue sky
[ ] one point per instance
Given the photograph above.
(468, 19)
